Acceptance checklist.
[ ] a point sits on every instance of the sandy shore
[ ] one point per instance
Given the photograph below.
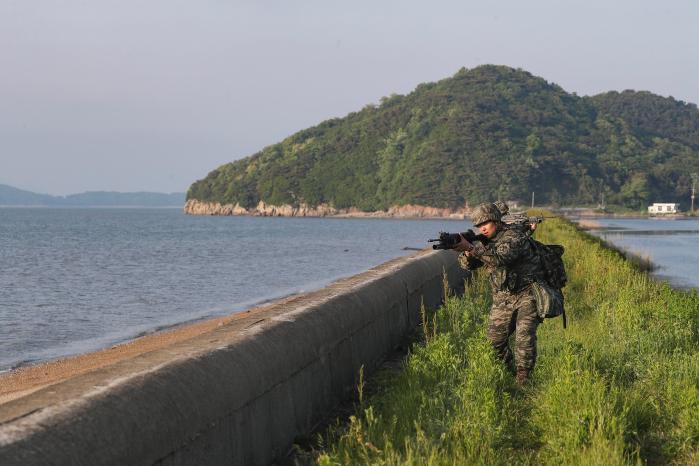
(23, 381)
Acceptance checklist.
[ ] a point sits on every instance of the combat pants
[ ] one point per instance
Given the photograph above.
(514, 313)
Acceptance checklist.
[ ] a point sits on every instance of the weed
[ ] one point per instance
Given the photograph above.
(619, 386)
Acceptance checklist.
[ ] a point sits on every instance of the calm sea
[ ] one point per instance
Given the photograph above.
(671, 244)
(76, 280)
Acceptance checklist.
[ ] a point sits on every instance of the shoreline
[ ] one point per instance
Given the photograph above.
(642, 260)
(18, 382)
(403, 212)
(240, 308)
(24, 380)
(29, 376)
(262, 209)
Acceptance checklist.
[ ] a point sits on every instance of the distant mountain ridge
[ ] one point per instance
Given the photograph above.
(492, 132)
(10, 196)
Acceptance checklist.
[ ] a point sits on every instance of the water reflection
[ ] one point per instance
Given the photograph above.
(651, 232)
(672, 245)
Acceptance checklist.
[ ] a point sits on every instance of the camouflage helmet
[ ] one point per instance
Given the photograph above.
(502, 207)
(485, 213)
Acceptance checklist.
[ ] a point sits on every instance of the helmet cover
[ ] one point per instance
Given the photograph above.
(483, 213)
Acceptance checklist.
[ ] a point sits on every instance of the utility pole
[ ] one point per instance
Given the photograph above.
(695, 178)
(532, 199)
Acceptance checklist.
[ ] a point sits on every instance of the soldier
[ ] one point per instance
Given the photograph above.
(512, 265)
(520, 221)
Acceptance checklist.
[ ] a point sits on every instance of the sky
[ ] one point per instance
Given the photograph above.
(151, 95)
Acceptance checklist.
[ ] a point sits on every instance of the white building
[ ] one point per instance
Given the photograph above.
(662, 208)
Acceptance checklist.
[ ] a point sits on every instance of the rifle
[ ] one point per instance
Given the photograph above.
(450, 240)
(516, 218)
(521, 219)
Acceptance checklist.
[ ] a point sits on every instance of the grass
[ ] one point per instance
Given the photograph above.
(619, 386)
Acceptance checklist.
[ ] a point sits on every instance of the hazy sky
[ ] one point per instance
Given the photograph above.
(151, 95)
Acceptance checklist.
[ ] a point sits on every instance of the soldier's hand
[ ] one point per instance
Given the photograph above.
(463, 246)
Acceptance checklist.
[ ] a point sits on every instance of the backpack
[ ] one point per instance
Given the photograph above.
(548, 294)
(551, 256)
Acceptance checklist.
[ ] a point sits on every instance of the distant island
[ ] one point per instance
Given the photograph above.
(10, 196)
(492, 132)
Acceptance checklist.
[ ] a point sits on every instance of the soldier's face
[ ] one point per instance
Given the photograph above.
(488, 229)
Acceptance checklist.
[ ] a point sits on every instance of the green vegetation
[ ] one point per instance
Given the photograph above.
(619, 386)
(491, 132)
(651, 116)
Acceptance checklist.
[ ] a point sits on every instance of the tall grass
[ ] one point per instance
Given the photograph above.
(619, 386)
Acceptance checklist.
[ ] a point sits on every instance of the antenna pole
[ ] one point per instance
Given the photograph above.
(695, 177)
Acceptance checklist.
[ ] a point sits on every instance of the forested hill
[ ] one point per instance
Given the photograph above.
(491, 132)
(650, 115)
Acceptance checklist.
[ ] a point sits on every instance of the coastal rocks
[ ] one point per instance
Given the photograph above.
(287, 210)
(421, 211)
(196, 207)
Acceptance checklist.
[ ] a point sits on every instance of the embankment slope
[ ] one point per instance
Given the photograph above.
(619, 386)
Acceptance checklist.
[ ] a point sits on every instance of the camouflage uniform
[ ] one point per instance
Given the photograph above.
(513, 221)
(512, 265)
(518, 224)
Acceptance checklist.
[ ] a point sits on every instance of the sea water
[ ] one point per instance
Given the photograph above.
(76, 280)
(672, 245)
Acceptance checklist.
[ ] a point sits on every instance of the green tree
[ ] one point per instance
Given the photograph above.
(634, 192)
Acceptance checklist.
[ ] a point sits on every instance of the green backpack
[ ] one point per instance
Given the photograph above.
(548, 293)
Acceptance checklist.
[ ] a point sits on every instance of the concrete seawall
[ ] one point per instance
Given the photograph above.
(239, 394)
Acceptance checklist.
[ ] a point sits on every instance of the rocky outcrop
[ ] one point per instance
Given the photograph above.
(420, 211)
(196, 207)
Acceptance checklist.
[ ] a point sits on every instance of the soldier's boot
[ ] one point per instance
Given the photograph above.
(510, 364)
(507, 357)
(522, 376)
